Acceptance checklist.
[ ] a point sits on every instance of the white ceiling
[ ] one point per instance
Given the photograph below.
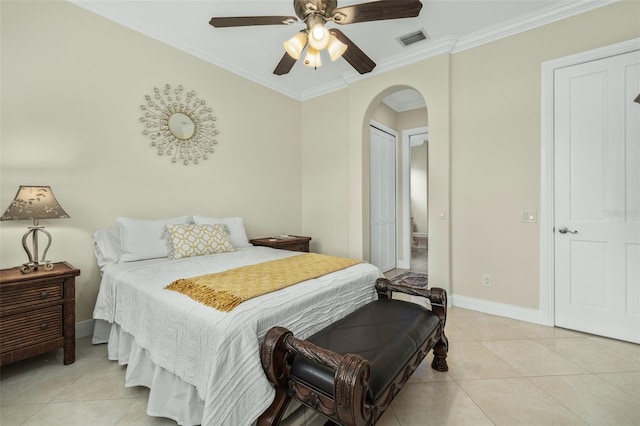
(253, 52)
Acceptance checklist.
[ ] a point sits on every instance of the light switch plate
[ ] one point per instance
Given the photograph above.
(528, 216)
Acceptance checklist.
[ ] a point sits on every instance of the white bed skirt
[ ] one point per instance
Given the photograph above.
(170, 396)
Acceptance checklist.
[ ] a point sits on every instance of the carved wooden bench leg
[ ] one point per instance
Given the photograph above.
(438, 298)
(273, 358)
(440, 350)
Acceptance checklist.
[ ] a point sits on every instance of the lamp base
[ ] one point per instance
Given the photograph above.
(34, 266)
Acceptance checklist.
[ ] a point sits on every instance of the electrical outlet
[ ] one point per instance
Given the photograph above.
(486, 280)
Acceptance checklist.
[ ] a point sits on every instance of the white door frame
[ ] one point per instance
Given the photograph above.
(405, 261)
(547, 249)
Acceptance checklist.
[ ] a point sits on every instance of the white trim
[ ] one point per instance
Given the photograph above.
(547, 251)
(448, 44)
(536, 19)
(500, 309)
(400, 106)
(84, 328)
(405, 262)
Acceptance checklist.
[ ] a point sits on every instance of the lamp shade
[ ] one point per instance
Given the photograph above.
(313, 58)
(33, 203)
(295, 44)
(335, 48)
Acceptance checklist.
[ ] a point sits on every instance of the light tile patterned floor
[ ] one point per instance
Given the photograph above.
(501, 372)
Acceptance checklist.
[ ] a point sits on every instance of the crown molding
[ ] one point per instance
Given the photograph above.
(528, 22)
(428, 50)
(419, 51)
(102, 8)
(323, 90)
(397, 106)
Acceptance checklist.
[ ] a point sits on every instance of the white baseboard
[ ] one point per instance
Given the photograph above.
(84, 328)
(510, 311)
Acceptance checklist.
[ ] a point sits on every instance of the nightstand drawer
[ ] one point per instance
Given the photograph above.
(297, 246)
(27, 295)
(293, 243)
(29, 328)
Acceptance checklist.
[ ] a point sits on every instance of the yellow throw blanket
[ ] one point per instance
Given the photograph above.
(226, 290)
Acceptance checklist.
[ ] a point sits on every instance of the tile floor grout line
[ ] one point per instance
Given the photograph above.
(558, 401)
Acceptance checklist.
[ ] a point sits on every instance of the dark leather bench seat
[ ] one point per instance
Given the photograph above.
(386, 332)
(351, 370)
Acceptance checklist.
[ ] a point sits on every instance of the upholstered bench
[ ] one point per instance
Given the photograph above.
(351, 370)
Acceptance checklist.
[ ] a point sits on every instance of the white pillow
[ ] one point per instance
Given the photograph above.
(145, 239)
(106, 246)
(197, 240)
(236, 228)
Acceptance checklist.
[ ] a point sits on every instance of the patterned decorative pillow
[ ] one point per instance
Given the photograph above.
(197, 240)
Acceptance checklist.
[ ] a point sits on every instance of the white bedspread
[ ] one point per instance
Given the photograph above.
(218, 352)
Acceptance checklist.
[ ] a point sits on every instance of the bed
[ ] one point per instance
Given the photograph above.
(202, 365)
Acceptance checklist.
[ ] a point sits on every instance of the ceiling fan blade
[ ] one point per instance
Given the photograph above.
(244, 21)
(285, 65)
(356, 57)
(377, 11)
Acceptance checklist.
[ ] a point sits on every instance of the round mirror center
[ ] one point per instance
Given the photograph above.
(181, 126)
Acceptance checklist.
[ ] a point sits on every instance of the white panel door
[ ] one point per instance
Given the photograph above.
(597, 197)
(383, 199)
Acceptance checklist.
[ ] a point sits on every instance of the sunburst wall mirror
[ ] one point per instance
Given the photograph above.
(179, 125)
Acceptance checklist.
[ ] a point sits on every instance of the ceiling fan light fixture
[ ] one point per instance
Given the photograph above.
(335, 48)
(318, 34)
(313, 58)
(295, 44)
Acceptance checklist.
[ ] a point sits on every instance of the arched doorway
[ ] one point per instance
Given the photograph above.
(403, 110)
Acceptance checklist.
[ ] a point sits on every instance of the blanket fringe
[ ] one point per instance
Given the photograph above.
(218, 299)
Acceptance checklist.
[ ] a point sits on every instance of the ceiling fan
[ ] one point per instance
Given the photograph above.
(315, 37)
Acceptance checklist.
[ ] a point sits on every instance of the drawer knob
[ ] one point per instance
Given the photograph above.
(44, 295)
(44, 326)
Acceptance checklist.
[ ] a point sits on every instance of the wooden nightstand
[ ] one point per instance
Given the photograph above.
(294, 243)
(37, 312)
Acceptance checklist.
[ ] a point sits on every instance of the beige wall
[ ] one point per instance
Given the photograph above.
(496, 92)
(385, 115)
(484, 142)
(72, 86)
(72, 83)
(325, 166)
(362, 98)
(413, 119)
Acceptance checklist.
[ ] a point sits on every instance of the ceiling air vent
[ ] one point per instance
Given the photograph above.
(413, 37)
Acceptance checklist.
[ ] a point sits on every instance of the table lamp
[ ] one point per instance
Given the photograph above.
(34, 203)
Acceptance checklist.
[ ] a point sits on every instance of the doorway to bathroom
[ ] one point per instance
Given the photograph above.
(419, 197)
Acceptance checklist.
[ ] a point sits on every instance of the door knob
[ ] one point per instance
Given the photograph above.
(564, 230)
